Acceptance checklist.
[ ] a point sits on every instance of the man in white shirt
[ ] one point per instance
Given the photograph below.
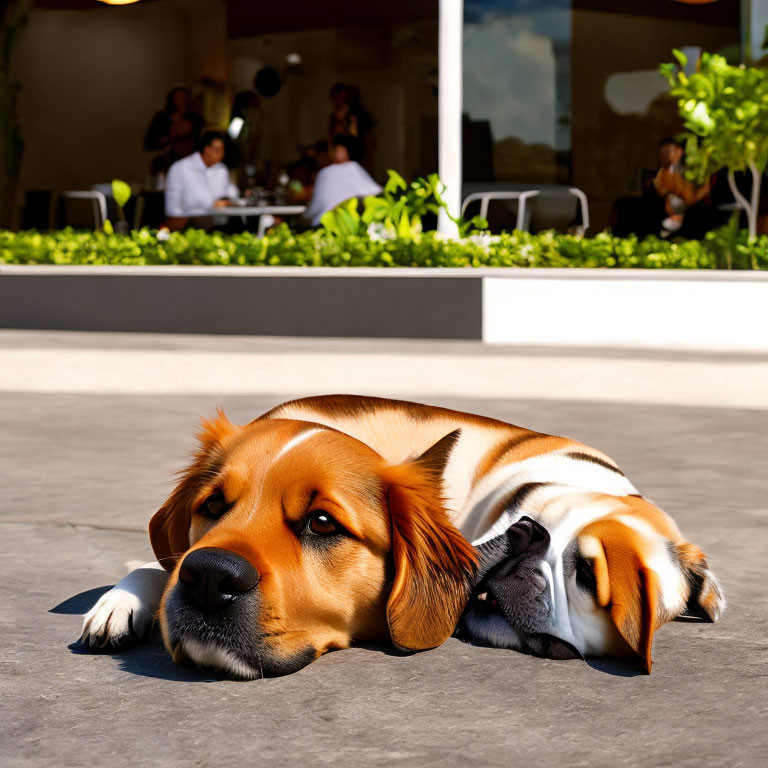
(198, 183)
(343, 179)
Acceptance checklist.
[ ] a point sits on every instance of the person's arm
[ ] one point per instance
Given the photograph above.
(317, 204)
(667, 182)
(233, 191)
(224, 189)
(173, 193)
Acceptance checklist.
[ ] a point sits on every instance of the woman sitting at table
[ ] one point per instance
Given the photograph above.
(198, 184)
(343, 179)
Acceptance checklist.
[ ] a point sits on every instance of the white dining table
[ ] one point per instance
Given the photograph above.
(263, 212)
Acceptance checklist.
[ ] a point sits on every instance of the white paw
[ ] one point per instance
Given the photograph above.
(119, 619)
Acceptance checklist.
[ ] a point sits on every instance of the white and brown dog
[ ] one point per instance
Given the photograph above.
(336, 519)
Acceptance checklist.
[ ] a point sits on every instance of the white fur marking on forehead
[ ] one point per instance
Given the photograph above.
(297, 440)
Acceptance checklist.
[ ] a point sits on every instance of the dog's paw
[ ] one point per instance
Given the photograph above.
(119, 620)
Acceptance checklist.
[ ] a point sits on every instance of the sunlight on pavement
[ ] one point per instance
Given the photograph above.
(726, 384)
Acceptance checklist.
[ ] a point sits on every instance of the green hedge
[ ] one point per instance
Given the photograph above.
(727, 248)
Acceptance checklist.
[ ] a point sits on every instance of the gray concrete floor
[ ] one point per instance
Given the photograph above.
(81, 474)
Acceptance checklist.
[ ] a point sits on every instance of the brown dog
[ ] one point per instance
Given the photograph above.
(336, 519)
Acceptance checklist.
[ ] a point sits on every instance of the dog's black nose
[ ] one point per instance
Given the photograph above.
(213, 578)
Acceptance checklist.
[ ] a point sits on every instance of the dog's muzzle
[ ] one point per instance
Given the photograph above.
(515, 582)
(213, 618)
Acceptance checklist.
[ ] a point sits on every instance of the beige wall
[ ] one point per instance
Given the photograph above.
(390, 66)
(92, 80)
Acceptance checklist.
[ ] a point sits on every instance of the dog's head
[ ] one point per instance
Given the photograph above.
(598, 587)
(288, 539)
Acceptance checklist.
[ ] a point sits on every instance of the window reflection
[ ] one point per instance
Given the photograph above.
(517, 86)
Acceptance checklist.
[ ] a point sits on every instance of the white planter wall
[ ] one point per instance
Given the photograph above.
(664, 309)
(636, 310)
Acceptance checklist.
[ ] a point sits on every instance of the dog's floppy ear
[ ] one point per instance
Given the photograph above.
(705, 598)
(625, 585)
(169, 526)
(434, 565)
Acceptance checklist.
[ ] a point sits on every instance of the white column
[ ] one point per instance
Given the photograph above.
(754, 19)
(449, 105)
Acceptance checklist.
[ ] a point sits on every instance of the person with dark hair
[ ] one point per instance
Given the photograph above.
(343, 179)
(348, 116)
(175, 131)
(676, 193)
(666, 199)
(319, 153)
(199, 183)
(344, 148)
(341, 120)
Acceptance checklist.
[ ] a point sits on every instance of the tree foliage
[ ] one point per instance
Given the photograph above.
(725, 109)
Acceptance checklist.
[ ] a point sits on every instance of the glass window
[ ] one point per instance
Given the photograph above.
(517, 90)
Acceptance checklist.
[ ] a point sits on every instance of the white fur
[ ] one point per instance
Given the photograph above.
(294, 441)
(457, 476)
(556, 467)
(133, 601)
(658, 560)
(213, 656)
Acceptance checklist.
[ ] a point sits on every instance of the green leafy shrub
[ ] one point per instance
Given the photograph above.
(397, 212)
(727, 248)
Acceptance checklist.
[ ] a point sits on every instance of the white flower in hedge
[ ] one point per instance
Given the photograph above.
(378, 232)
(483, 239)
(163, 234)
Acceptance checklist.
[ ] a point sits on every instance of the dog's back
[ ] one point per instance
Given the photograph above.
(489, 462)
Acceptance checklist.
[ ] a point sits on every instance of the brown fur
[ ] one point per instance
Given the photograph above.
(404, 572)
(394, 515)
(626, 586)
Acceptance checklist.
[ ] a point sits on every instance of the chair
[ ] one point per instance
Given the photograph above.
(98, 204)
(545, 206)
(523, 221)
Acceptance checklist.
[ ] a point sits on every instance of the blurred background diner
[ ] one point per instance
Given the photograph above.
(198, 184)
(342, 180)
(173, 132)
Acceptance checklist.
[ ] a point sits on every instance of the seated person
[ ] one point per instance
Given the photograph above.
(670, 184)
(342, 179)
(198, 183)
(667, 196)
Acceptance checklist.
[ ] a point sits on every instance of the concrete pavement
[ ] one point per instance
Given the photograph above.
(81, 473)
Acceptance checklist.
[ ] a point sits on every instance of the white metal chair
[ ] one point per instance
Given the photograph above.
(486, 197)
(99, 202)
(522, 196)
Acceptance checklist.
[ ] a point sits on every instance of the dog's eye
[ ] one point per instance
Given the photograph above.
(322, 524)
(214, 506)
(585, 575)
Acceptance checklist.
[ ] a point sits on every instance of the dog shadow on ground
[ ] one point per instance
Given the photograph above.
(151, 659)
(614, 667)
